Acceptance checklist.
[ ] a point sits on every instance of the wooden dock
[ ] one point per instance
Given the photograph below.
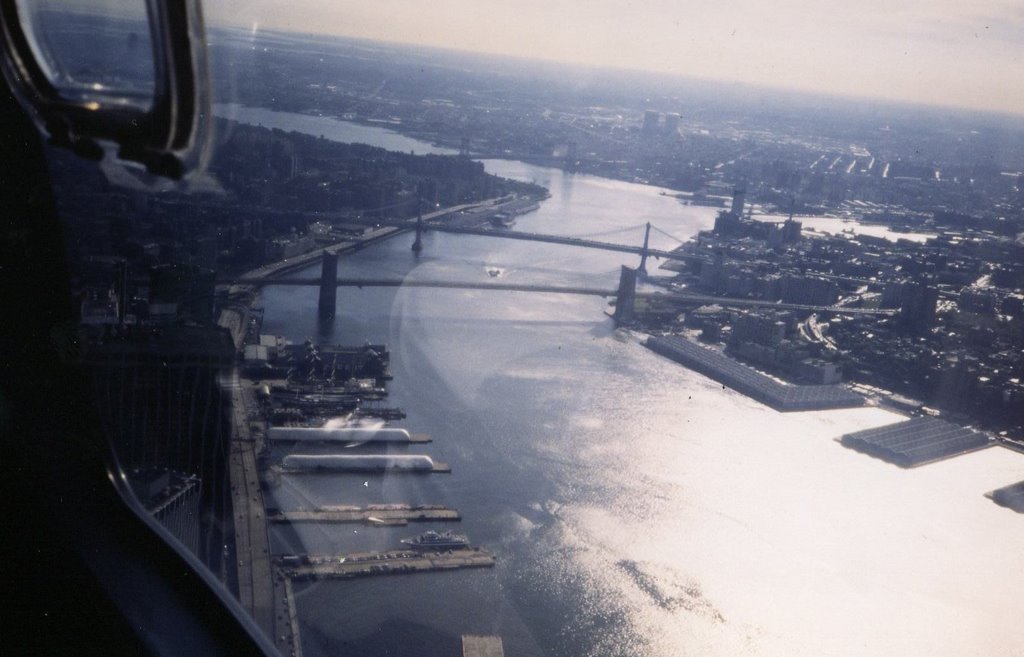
(397, 562)
(382, 514)
(286, 635)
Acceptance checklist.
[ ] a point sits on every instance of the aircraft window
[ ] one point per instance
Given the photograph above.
(93, 48)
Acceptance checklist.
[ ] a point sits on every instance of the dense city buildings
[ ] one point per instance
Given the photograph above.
(923, 318)
(824, 255)
(903, 166)
(948, 281)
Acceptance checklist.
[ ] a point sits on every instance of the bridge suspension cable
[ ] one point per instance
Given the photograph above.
(653, 227)
(615, 231)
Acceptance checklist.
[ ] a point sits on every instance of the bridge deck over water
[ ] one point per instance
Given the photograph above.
(564, 239)
(672, 297)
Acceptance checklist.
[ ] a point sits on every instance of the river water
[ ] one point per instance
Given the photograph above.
(635, 507)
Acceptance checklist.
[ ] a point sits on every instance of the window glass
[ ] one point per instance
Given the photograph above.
(447, 349)
(93, 49)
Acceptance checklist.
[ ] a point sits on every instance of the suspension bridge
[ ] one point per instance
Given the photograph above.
(473, 224)
(642, 251)
(625, 294)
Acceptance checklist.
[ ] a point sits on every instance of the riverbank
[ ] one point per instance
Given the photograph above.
(577, 452)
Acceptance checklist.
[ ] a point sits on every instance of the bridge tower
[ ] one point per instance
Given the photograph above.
(625, 299)
(641, 271)
(417, 244)
(571, 156)
(328, 285)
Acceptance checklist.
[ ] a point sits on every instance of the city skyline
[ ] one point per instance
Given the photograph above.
(934, 53)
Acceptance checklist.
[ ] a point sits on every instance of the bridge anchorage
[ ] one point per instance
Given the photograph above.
(641, 271)
(328, 302)
(417, 244)
(625, 296)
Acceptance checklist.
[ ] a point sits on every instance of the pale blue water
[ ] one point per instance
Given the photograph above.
(636, 508)
(319, 125)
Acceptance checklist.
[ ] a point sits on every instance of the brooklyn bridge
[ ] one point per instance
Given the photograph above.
(625, 294)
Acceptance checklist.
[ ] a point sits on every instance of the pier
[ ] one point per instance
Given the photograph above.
(917, 441)
(411, 463)
(397, 562)
(291, 641)
(750, 382)
(390, 514)
(345, 435)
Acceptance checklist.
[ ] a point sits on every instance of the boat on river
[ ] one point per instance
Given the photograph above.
(433, 540)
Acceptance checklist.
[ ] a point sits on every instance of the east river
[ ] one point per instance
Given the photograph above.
(635, 507)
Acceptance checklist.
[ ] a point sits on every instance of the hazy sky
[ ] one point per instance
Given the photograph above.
(948, 52)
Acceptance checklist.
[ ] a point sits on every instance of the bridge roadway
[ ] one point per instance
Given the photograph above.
(459, 285)
(677, 297)
(562, 239)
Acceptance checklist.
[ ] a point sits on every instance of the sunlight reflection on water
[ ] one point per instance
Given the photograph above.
(638, 508)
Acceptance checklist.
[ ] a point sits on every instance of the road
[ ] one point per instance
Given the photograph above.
(261, 590)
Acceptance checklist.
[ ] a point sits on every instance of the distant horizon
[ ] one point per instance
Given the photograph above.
(611, 70)
(928, 53)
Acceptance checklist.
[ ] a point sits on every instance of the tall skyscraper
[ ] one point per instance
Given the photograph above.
(672, 124)
(651, 119)
(739, 195)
